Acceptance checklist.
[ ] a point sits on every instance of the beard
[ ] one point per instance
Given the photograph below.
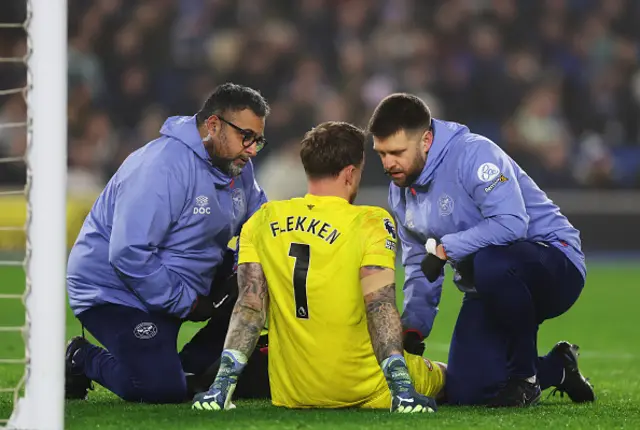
(226, 165)
(410, 175)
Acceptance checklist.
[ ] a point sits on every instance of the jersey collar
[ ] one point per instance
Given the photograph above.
(335, 199)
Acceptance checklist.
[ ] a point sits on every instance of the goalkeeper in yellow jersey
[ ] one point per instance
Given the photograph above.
(322, 269)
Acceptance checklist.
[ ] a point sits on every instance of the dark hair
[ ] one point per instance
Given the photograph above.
(330, 147)
(232, 97)
(397, 112)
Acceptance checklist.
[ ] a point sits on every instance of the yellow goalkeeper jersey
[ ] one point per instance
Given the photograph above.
(311, 250)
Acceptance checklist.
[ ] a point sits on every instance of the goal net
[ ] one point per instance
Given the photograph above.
(33, 136)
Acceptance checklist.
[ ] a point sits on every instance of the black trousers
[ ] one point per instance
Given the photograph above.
(495, 337)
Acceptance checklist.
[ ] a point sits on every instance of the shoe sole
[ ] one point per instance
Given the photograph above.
(570, 357)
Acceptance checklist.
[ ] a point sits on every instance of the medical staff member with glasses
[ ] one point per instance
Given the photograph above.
(153, 252)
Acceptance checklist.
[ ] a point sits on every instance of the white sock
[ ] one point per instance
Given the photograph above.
(531, 379)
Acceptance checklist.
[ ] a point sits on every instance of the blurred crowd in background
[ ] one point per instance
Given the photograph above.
(554, 82)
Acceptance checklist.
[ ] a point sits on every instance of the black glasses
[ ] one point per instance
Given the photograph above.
(248, 136)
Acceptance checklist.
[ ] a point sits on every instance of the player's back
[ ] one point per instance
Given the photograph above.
(311, 250)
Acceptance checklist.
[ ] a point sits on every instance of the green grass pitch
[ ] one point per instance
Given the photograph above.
(604, 323)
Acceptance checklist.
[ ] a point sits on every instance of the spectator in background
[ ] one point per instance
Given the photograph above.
(539, 138)
(282, 176)
(480, 61)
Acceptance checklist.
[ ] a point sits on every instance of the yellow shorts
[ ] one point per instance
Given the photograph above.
(427, 376)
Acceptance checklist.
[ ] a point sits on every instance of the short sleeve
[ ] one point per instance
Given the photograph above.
(380, 238)
(248, 253)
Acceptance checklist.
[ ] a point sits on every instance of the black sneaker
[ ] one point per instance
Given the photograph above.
(516, 393)
(575, 385)
(76, 383)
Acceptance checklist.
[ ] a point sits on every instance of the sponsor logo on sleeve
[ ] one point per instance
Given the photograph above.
(388, 225)
(390, 245)
(488, 172)
(500, 179)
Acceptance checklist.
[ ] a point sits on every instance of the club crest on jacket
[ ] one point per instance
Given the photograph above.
(445, 205)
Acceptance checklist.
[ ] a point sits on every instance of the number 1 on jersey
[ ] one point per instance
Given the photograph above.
(302, 253)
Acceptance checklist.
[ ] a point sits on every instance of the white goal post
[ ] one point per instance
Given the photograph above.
(42, 406)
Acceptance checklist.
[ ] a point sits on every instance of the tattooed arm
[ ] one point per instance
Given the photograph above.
(247, 321)
(383, 317)
(385, 330)
(250, 312)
